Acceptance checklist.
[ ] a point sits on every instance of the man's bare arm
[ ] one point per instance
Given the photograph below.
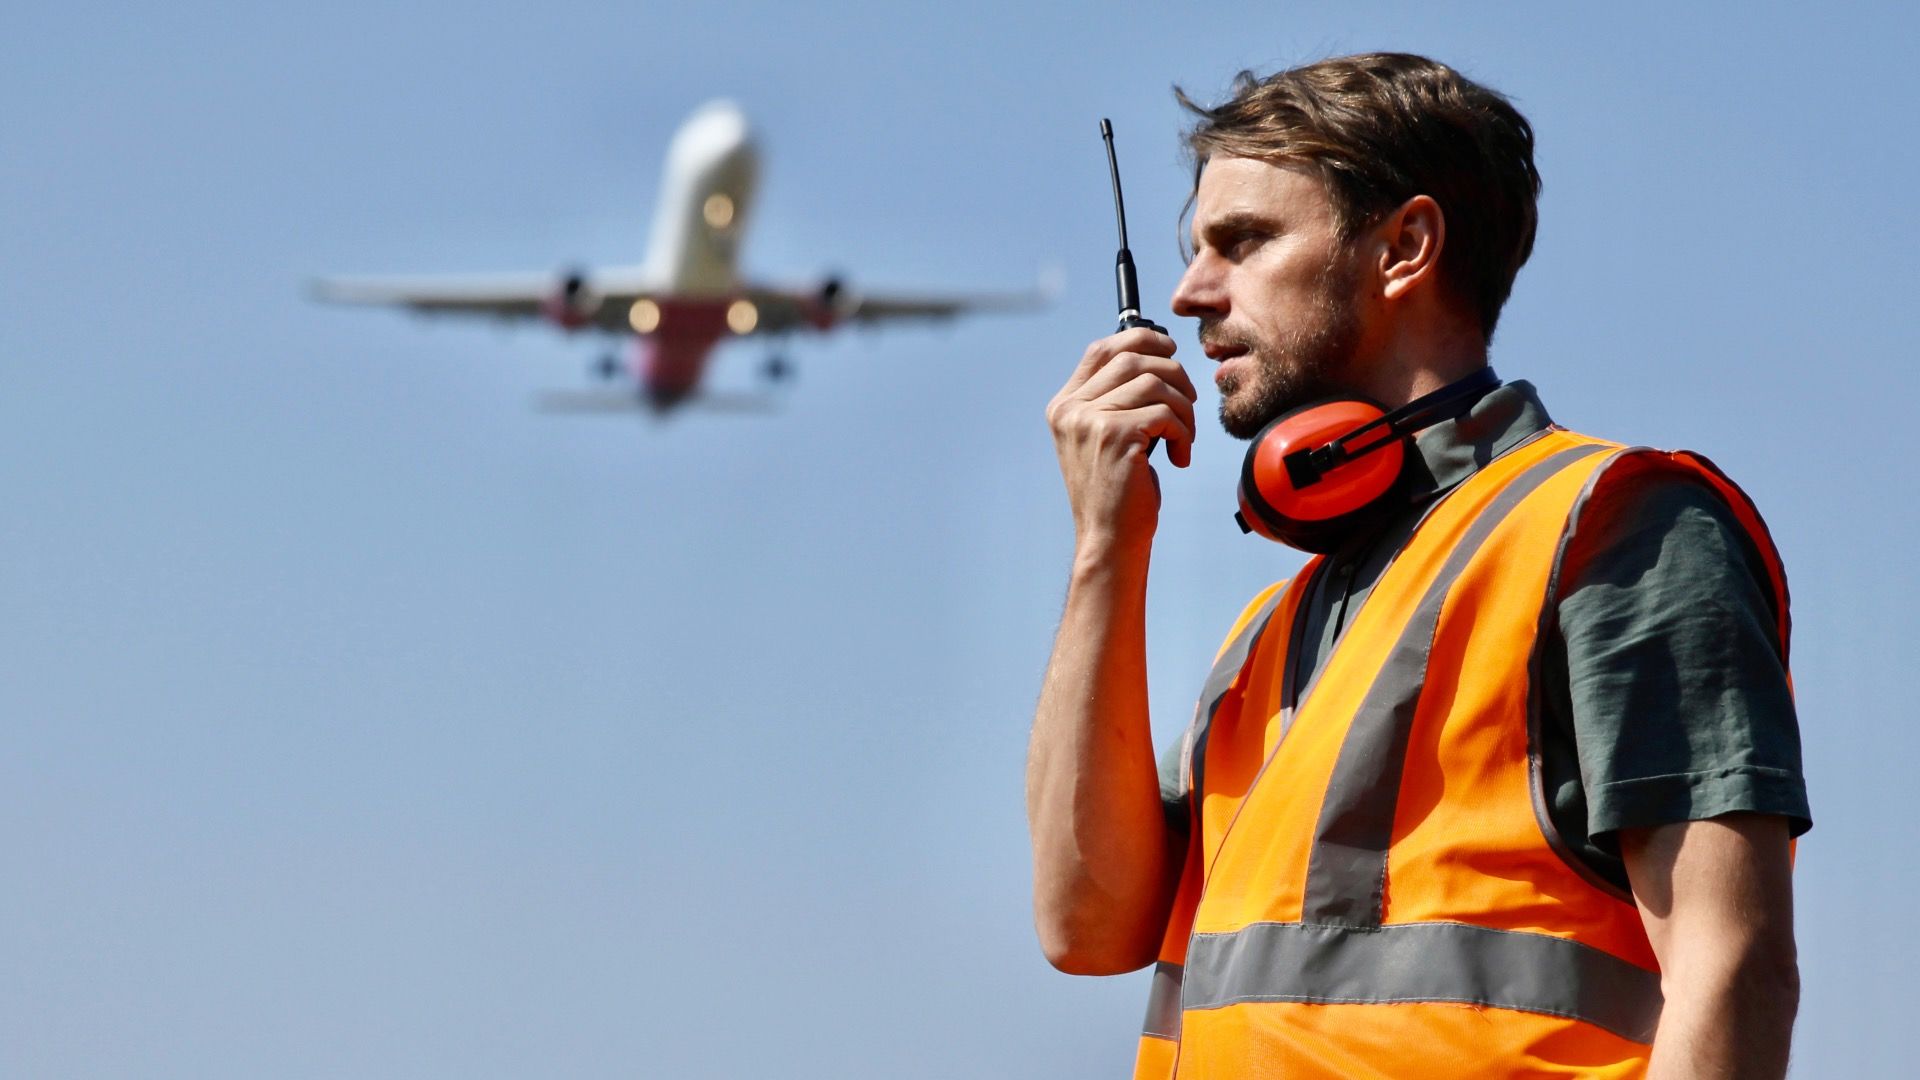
(1104, 860)
(1717, 900)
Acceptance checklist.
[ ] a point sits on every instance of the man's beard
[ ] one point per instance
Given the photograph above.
(1305, 365)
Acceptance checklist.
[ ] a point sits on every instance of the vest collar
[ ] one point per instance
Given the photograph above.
(1451, 451)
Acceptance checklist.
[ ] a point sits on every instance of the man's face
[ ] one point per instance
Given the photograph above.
(1274, 290)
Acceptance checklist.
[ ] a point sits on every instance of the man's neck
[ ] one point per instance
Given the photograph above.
(1420, 360)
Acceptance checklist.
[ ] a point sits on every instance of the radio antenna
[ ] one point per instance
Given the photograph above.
(1126, 282)
(1113, 170)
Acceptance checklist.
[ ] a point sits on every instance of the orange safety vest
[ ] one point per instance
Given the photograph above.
(1373, 888)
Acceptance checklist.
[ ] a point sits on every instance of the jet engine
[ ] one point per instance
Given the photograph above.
(573, 303)
(834, 302)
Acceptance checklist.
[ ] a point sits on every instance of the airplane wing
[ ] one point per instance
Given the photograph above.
(784, 309)
(880, 307)
(602, 300)
(606, 299)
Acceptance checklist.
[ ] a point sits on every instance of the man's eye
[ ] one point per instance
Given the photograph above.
(1240, 244)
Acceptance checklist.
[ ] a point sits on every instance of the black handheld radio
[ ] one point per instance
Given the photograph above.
(1124, 280)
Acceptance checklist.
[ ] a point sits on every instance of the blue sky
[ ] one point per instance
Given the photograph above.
(357, 720)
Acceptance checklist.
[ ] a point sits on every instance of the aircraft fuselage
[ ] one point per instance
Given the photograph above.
(706, 191)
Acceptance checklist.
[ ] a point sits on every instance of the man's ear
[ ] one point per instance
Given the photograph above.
(1411, 239)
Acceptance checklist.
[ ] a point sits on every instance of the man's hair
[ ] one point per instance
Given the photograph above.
(1381, 128)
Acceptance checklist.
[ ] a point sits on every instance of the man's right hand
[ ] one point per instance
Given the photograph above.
(1127, 392)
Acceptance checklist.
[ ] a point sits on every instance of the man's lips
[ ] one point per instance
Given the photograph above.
(1226, 360)
(1223, 353)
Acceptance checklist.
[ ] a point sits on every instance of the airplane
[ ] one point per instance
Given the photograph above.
(686, 298)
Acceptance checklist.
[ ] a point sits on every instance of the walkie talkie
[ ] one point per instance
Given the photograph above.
(1123, 277)
(1124, 280)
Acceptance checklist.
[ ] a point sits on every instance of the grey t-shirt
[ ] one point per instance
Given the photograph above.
(1665, 697)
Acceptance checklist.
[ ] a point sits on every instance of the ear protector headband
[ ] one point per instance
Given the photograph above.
(1319, 473)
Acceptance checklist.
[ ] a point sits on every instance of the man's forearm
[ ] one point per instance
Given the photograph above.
(1100, 841)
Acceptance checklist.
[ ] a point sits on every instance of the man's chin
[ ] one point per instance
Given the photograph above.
(1240, 418)
(1246, 408)
(1238, 403)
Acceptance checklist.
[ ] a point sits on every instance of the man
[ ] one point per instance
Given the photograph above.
(1502, 784)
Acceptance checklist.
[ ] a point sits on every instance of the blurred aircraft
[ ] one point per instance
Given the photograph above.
(686, 298)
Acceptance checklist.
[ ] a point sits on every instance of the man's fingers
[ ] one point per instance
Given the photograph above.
(1145, 408)
(1148, 389)
(1163, 421)
(1128, 391)
(1137, 340)
(1180, 454)
(1126, 367)
(1135, 414)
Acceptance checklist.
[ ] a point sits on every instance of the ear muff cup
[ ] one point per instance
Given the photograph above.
(1320, 515)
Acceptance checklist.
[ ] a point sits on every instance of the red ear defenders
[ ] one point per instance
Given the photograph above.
(1320, 473)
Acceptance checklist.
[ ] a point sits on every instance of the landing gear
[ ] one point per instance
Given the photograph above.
(607, 367)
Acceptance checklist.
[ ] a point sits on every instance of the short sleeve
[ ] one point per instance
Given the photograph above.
(1672, 687)
(1173, 789)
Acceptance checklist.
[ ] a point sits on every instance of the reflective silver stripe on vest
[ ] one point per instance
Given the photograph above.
(1346, 874)
(1423, 962)
(1163, 1003)
(1226, 670)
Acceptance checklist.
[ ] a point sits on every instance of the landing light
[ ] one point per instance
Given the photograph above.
(644, 316)
(742, 316)
(718, 210)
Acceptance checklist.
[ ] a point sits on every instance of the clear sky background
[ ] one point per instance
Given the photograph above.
(357, 720)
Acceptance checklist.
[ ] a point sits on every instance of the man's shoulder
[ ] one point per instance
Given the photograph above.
(1647, 506)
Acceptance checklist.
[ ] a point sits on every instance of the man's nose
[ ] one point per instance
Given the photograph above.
(1198, 293)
